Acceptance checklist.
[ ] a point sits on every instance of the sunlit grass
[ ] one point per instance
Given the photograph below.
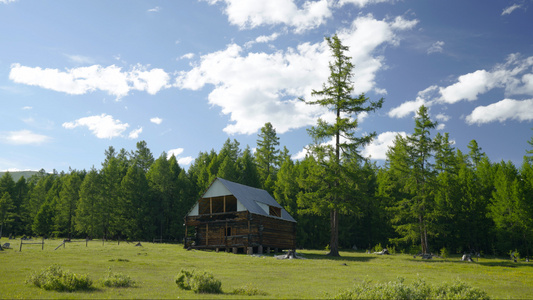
(154, 267)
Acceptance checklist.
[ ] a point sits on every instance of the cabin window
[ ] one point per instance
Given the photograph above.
(215, 205)
(228, 231)
(275, 211)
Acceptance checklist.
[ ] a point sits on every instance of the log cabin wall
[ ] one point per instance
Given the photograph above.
(241, 230)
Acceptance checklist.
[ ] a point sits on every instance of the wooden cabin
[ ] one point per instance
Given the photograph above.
(231, 216)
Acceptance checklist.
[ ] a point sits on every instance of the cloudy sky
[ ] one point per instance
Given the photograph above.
(79, 76)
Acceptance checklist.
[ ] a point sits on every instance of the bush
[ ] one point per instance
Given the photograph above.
(458, 290)
(117, 280)
(249, 290)
(418, 290)
(53, 278)
(444, 252)
(198, 282)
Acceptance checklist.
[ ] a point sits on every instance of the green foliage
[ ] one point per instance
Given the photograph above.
(6, 210)
(514, 254)
(117, 280)
(249, 290)
(54, 278)
(444, 252)
(413, 174)
(417, 290)
(267, 155)
(199, 282)
(334, 193)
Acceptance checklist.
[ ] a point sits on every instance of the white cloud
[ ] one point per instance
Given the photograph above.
(250, 14)
(410, 107)
(7, 1)
(468, 87)
(403, 24)
(23, 137)
(78, 81)
(79, 59)
(263, 39)
(510, 9)
(378, 148)
(442, 117)
(176, 152)
(27, 108)
(436, 47)
(102, 126)
(501, 111)
(255, 88)
(134, 134)
(182, 161)
(185, 161)
(155, 9)
(514, 76)
(187, 56)
(156, 120)
(363, 3)
(300, 155)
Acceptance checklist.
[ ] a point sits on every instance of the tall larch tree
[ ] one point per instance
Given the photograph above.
(337, 96)
(410, 160)
(267, 155)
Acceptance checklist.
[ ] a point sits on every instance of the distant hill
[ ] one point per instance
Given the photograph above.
(16, 175)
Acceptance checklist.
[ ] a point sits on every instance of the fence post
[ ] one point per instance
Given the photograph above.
(20, 250)
(42, 248)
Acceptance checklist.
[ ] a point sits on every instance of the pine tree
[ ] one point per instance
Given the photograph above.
(411, 161)
(6, 211)
(336, 96)
(90, 211)
(68, 200)
(248, 170)
(135, 204)
(267, 154)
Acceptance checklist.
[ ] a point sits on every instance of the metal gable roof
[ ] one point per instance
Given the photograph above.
(249, 196)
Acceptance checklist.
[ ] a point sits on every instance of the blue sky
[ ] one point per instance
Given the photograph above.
(79, 76)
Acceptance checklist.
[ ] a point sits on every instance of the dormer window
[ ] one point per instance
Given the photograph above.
(275, 211)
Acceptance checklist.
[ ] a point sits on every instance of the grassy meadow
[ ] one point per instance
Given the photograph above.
(155, 266)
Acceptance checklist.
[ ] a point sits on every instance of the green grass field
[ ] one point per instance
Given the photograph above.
(155, 266)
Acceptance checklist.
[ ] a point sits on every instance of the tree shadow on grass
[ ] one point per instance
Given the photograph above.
(507, 264)
(339, 258)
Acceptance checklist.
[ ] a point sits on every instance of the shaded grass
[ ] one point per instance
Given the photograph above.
(155, 266)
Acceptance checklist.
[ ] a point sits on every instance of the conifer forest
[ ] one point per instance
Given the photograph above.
(452, 198)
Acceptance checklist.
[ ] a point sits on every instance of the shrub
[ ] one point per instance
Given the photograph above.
(378, 248)
(458, 290)
(117, 280)
(202, 282)
(444, 252)
(418, 290)
(249, 290)
(53, 278)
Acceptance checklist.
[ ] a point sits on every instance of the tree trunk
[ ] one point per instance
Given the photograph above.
(422, 235)
(334, 242)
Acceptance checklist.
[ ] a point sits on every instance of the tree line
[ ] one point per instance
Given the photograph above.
(418, 200)
(427, 196)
